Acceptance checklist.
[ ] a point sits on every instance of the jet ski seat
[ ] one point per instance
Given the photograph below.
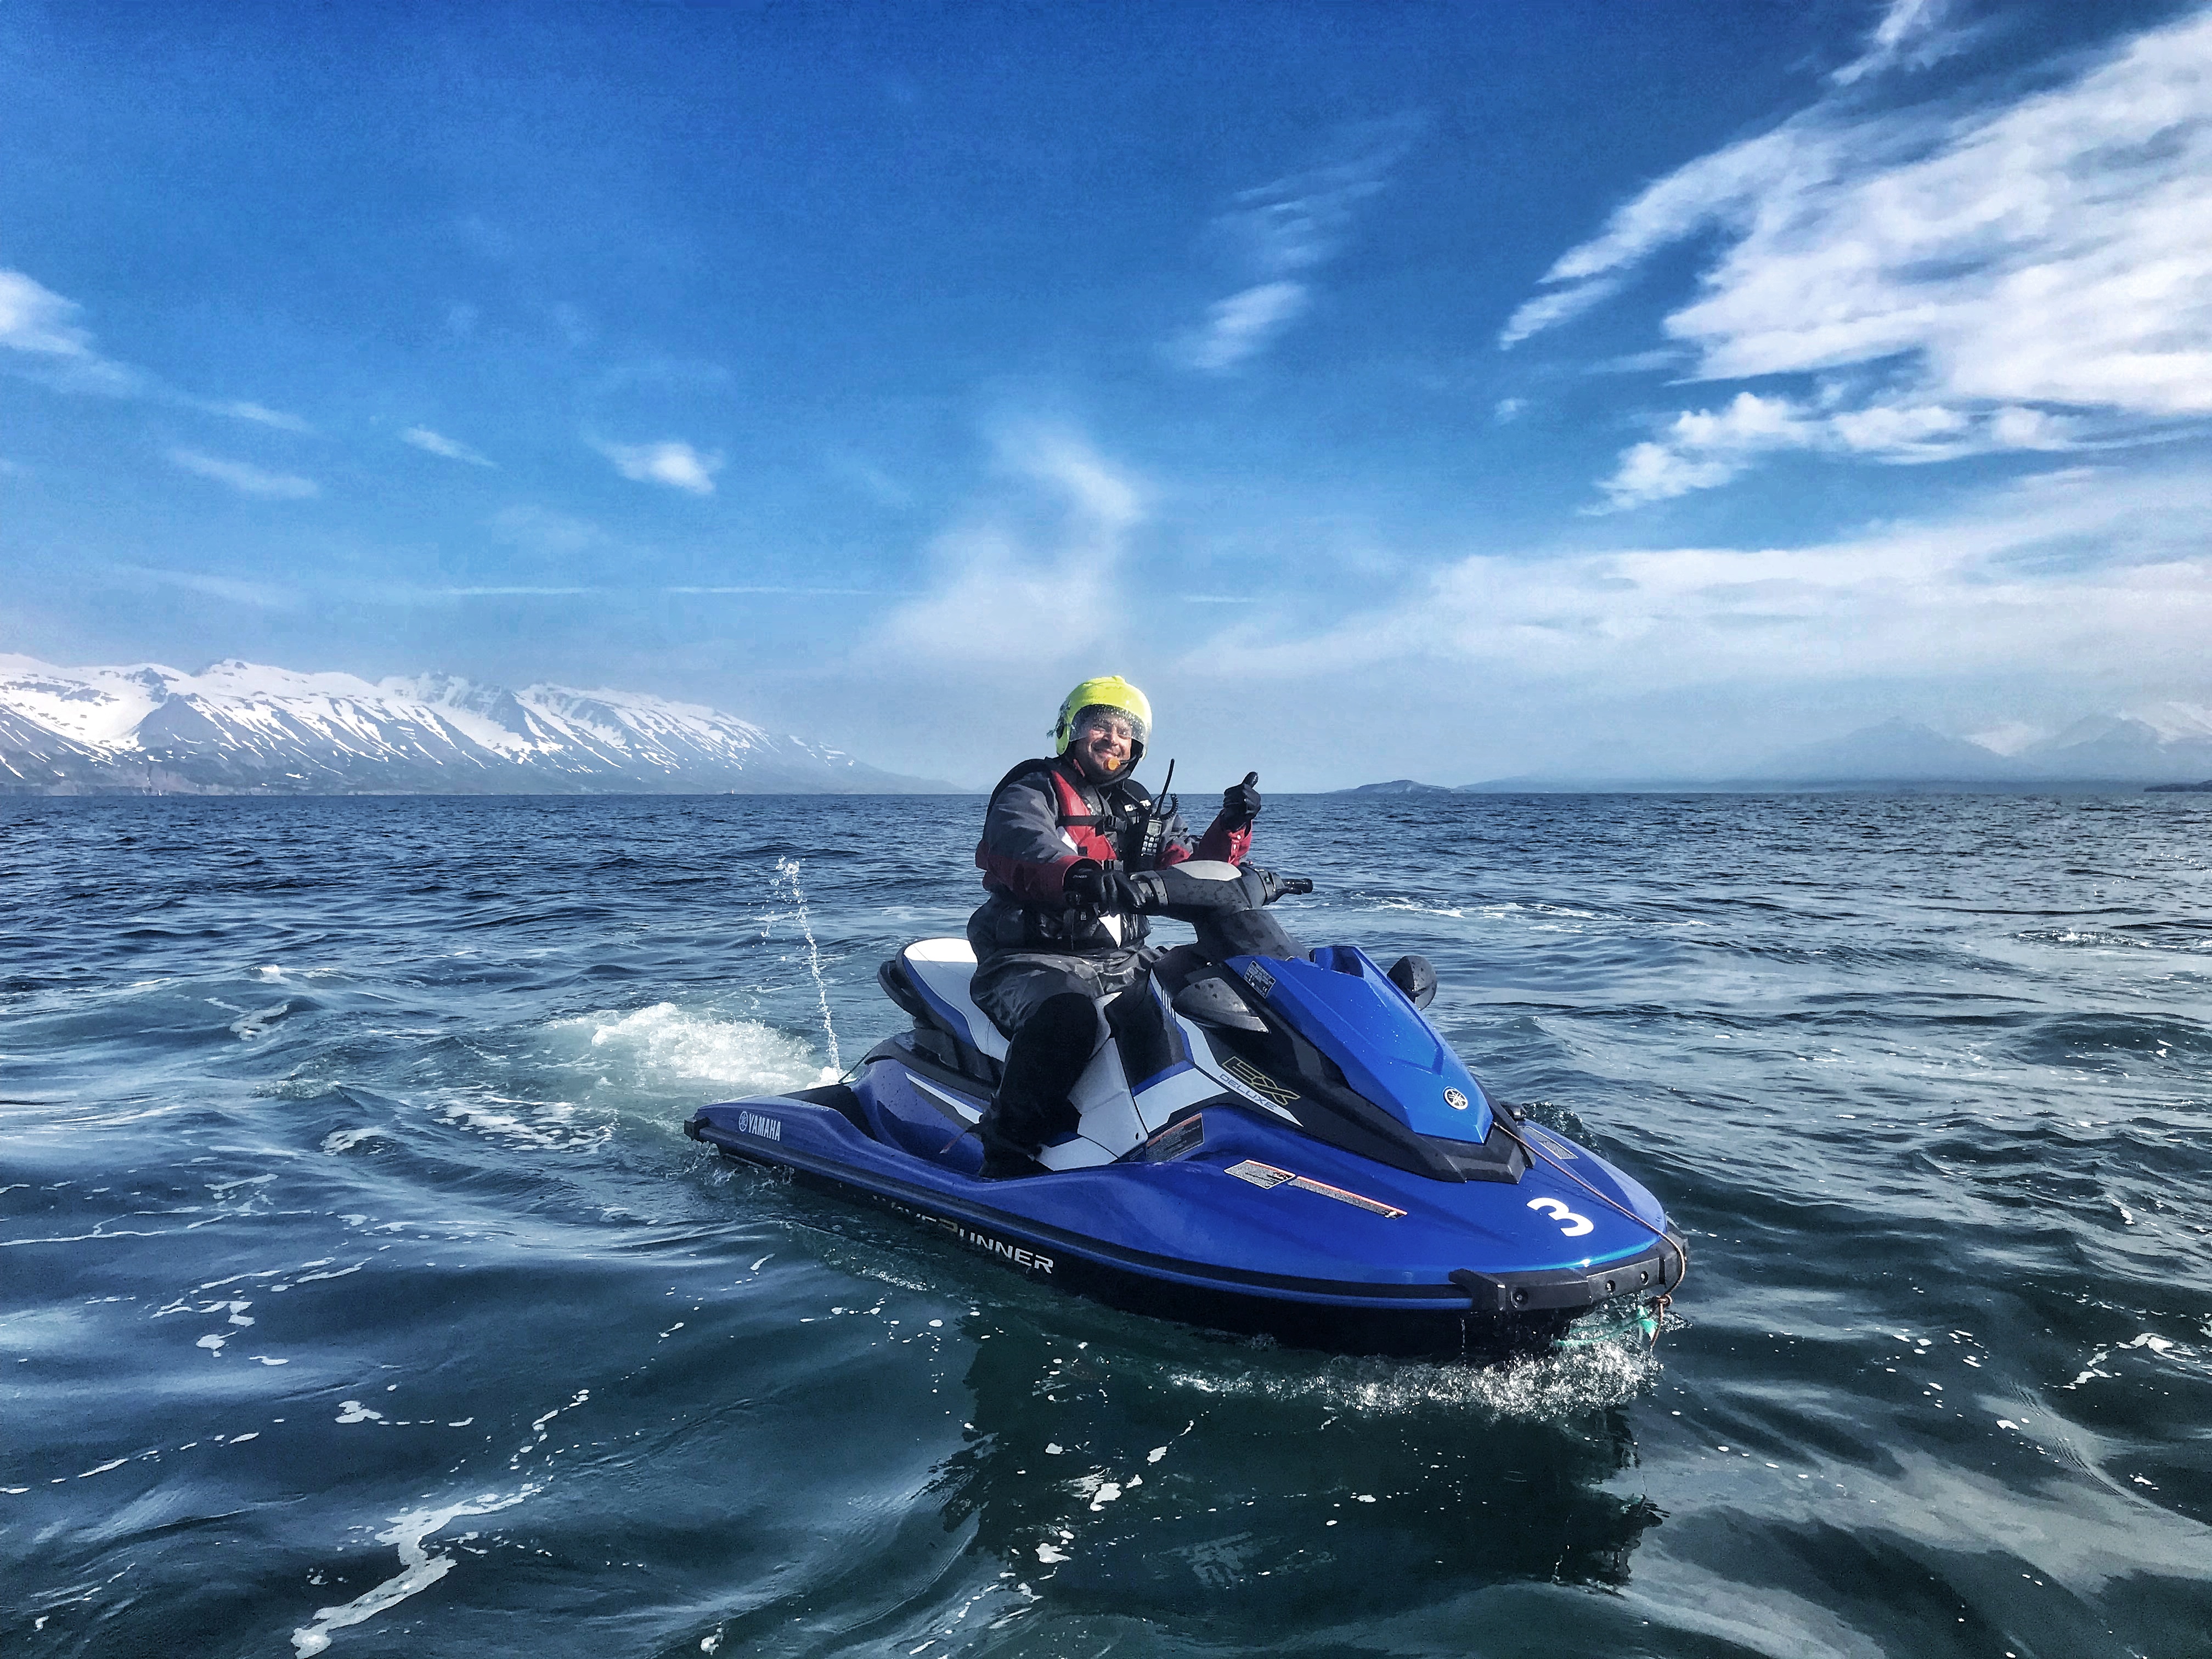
(929, 979)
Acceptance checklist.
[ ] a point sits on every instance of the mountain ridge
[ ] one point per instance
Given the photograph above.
(238, 727)
(2166, 744)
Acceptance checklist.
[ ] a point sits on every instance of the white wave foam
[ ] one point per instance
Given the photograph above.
(667, 1043)
(419, 1568)
(552, 1125)
(1588, 1378)
(1496, 912)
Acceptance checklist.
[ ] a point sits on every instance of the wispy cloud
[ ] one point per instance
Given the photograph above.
(1011, 591)
(507, 593)
(245, 478)
(2083, 574)
(35, 318)
(41, 324)
(1244, 324)
(437, 443)
(870, 478)
(808, 592)
(1699, 449)
(260, 415)
(261, 596)
(2049, 255)
(1282, 230)
(61, 352)
(676, 465)
(521, 590)
(1910, 35)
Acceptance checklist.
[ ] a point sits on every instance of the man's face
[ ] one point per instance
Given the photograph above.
(1102, 746)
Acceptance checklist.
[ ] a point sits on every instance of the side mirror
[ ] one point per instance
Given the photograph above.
(1416, 978)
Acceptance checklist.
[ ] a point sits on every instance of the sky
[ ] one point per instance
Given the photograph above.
(1444, 390)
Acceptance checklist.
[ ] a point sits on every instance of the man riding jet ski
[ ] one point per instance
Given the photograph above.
(1242, 1132)
(1067, 848)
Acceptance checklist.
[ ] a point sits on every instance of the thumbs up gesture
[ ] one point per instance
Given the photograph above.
(1240, 802)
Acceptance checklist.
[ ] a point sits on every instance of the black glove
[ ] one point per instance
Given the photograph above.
(1097, 886)
(1240, 802)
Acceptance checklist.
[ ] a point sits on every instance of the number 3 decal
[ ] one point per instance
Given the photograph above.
(1573, 1225)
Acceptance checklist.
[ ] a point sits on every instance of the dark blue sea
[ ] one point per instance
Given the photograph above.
(360, 1293)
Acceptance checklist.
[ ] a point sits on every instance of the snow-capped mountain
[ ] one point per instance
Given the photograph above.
(239, 726)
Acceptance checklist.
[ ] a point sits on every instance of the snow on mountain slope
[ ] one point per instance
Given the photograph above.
(2176, 722)
(241, 726)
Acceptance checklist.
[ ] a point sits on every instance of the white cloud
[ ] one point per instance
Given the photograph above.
(245, 478)
(2092, 577)
(1277, 230)
(1007, 594)
(260, 415)
(262, 596)
(676, 465)
(1908, 36)
(35, 318)
(2041, 267)
(452, 448)
(41, 323)
(1244, 325)
(1699, 449)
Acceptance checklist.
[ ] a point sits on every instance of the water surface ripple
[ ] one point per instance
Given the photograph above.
(360, 1294)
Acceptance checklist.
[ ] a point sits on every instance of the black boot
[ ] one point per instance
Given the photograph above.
(1044, 1061)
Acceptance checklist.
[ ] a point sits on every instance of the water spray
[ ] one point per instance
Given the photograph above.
(787, 870)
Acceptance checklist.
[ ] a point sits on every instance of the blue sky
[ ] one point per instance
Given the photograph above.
(1441, 390)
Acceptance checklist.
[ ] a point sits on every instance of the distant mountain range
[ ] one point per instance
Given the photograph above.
(2168, 743)
(240, 728)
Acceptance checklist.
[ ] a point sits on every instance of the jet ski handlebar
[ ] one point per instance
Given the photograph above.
(1197, 888)
(1225, 903)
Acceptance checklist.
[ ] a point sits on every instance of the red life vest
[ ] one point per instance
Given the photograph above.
(1090, 835)
(1086, 830)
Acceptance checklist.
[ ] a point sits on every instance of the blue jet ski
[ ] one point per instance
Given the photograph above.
(1273, 1141)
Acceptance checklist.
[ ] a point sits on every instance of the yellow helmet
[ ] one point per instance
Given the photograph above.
(1113, 692)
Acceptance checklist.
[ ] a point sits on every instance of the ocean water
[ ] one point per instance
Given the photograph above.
(360, 1293)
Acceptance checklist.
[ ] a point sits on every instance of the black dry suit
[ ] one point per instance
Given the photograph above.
(1041, 963)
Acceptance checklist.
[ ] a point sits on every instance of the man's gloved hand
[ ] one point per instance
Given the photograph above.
(1240, 802)
(1098, 886)
(1108, 887)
